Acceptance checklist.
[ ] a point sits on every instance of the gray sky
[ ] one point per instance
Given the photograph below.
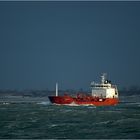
(68, 42)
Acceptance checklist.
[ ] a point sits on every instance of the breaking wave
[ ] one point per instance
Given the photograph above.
(44, 103)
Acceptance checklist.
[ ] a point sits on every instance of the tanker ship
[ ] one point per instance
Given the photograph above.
(102, 94)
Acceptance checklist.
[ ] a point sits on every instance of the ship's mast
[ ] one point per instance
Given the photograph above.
(103, 78)
(56, 89)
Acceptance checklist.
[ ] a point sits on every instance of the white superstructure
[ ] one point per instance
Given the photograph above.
(105, 89)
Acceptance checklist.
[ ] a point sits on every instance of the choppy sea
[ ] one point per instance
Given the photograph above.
(43, 120)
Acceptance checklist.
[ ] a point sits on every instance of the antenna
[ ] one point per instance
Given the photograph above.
(56, 89)
(103, 77)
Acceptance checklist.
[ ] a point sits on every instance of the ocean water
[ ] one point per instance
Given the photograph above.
(46, 121)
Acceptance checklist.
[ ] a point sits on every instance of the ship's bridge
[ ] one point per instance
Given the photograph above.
(95, 85)
(104, 89)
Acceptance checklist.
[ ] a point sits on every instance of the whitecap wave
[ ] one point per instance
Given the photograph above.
(6, 103)
(126, 120)
(44, 103)
(102, 122)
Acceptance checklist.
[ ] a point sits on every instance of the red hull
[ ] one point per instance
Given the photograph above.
(66, 100)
